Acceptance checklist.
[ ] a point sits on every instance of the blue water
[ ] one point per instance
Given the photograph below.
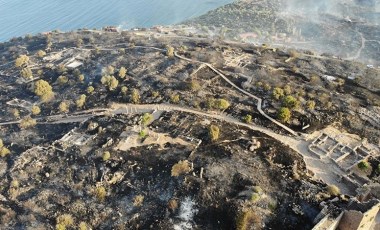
(20, 17)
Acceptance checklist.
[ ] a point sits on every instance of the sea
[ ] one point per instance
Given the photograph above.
(21, 17)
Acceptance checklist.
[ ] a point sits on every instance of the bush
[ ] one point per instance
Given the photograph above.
(143, 134)
(214, 132)
(109, 70)
(81, 78)
(333, 190)
(124, 90)
(363, 165)
(83, 226)
(255, 197)
(36, 110)
(182, 167)
(194, 86)
(284, 114)
(27, 122)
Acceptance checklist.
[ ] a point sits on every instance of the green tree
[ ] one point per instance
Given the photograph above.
(81, 101)
(41, 53)
(170, 51)
(26, 73)
(27, 122)
(110, 81)
(146, 119)
(22, 61)
(290, 102)
(63, 107)
(277, 93)
(135, 97)
(214, 132)
(90, 89)
(124, 90)
(36, 110)
(43, 90)
(247, 118)
(62, 80)
(106, 156)
(174, 98)
(122, 72)
(221, 104)
(3, 150)
(109, 70)
(310, 104)
(284, 114)
(363, 165)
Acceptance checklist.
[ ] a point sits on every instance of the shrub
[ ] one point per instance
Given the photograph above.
(36, 110)
(221, 104)
(100, 193)
(138, 200)
(182, 167)
(287, 90)
(15, 113)
(378, 168)
(214, 132)
(194, 85)
(27, 122)
(284, 114)
(247, 118)
(333, 190)
(363, 165)
(106, 156)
